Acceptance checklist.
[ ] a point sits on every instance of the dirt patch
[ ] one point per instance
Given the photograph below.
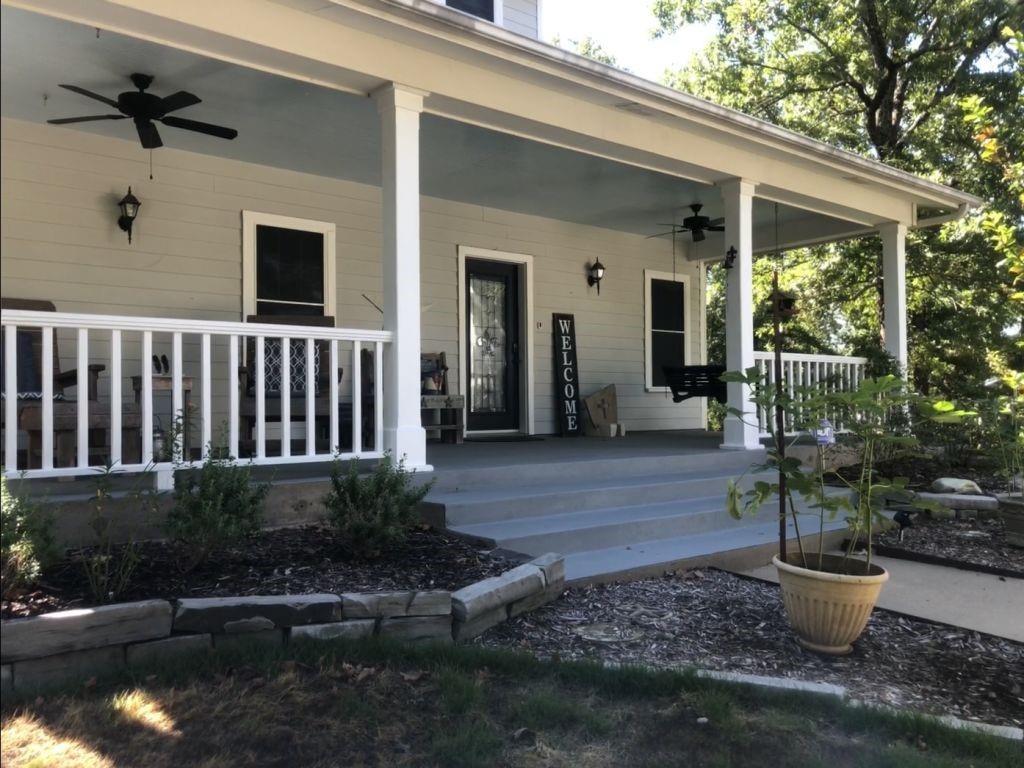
(977, 543)
(716, 620)
(285, 561)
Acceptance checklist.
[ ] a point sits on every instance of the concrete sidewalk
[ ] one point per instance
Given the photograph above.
(978, 601)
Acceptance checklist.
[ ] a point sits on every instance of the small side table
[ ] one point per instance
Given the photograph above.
(451, 408)
(165, 383)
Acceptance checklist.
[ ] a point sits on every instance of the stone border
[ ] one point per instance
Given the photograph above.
(65, 646)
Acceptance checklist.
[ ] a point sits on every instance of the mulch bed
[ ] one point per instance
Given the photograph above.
(285, 561)
(977, 544)
(717, 620)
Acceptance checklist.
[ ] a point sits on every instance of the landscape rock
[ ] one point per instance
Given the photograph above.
(254, 624)
(467, 630)
(62, 668)
(553, 566)
(956, 485)
(551, 592)
(83, 628)
(248, 639)
(483, 596)
(349, 630)
(385, 605)
(6, 680)
(961, 500)
(211, 614)
(167, 648)
(417, 629)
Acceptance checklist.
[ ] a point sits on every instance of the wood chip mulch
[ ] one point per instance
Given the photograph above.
(285, 561)
(980, 542)
(716, 620)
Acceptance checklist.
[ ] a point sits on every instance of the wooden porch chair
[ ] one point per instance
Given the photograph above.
(65, 409)
(297, 395)
(695, 381)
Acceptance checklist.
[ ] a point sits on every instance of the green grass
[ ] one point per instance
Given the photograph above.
(373, 703)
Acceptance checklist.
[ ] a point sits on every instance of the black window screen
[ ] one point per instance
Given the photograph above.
(483, 9)
(668, 327)
(289, 271)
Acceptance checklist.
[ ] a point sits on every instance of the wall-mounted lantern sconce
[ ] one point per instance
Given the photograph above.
(596, 274)
(129, 206)
(784, 303)
(730, 257)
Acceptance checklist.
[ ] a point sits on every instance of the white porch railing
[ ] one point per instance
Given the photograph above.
(204, 368)
(826, 373)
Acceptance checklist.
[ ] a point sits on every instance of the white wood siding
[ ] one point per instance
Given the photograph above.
(521, 16)
(60, 242)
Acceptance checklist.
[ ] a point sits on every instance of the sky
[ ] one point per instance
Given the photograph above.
(623, 28)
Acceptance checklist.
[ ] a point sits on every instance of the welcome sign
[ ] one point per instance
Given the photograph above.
(567, 390)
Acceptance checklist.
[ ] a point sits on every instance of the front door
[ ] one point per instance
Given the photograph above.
(492, 362)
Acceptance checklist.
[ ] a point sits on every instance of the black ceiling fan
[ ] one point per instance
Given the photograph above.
(696, 225)
(145, 108)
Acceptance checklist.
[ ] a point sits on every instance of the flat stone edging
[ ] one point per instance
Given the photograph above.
(64, 646)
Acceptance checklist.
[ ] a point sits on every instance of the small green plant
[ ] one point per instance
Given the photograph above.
(109, 566)
(1005, 421)
(215, 505)
(27, 543)
(376, 510)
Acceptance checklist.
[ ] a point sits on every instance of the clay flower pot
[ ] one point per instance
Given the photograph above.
(829, 609)
(1011, 509)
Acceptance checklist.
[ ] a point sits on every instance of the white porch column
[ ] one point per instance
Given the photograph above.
(399, 109)
(894, 281)
(738, 197)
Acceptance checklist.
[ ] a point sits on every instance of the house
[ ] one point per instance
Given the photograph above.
(429, 177)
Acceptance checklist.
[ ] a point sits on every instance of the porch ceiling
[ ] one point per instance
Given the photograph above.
(303, 127)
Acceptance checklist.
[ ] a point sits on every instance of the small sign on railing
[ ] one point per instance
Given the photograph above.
(567, 389)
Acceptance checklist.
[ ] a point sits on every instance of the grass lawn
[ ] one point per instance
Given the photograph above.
(371, 704)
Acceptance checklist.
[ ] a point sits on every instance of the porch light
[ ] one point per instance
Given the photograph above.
(596, 271)
(784, 303)
(129, 206)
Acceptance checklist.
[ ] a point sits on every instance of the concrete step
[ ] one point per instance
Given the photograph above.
(738, 548)
(528, 474)
(477, 506)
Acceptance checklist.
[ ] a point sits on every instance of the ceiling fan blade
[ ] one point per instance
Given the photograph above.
(148, 134)
(194, 125)
(698, 235)
(717, 222)
(178, 100)
(66, 120)
(90, 94)
(715, 229)
(661, 234)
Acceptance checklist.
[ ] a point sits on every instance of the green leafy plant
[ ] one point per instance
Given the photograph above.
(214, 506)
(376, 510)
(1006, 431)
(27, 543)
(109, 565)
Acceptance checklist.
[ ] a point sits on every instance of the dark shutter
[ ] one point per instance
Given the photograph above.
(289, 271)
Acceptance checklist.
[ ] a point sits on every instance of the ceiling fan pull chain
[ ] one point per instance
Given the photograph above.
(151, 165)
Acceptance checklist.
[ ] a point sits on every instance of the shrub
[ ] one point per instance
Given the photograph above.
(214, 506)
(373, 511)
(27, 543)
(108, 564)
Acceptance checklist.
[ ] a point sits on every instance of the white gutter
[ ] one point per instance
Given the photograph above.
(751, 128)
(933, 221)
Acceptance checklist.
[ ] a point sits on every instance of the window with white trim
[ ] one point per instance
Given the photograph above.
(288, 265)
(666, 298)
(482, 9)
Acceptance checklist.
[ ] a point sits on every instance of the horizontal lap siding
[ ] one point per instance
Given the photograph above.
(60, 242)
(520, 16)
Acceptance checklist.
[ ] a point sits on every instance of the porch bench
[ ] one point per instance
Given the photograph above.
(695, 381)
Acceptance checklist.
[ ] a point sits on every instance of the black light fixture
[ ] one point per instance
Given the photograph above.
(730, 257)
(129, 206)
(596, 271)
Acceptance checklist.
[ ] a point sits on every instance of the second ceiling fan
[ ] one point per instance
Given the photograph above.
(696, 225)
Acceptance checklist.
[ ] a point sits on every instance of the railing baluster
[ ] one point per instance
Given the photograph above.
(261, 406)
(311, 398)
(357, 398)
(233, 414)
(335, 445)
(83, 398)
(177, 398)
(286, 396)
(207, 387)
(378, 399)
(11, 399)
(47, 403)
(115, 397)
(147, 397)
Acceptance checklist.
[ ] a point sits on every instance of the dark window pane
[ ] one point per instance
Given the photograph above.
(666, 349)
(482, 8)
(275, 308)
(667, 305)
(289, 265)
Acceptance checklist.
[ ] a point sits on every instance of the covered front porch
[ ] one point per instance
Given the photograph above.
(175, 346)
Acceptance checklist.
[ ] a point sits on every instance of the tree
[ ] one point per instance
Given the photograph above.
(892, 79)
(590, 48)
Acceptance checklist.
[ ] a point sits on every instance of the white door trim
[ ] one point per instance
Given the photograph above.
(526, 372)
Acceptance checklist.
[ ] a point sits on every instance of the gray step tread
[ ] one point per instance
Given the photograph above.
(627, 557)
(585, 485)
